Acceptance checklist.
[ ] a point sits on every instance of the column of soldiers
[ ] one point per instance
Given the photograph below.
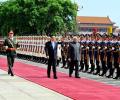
(1, 45)
(100, 55)
(32, 48)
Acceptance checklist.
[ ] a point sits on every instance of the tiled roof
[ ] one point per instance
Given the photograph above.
(94, 20)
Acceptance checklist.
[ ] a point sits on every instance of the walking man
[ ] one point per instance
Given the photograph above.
(74, 57)
(51, 53)
(10, 47)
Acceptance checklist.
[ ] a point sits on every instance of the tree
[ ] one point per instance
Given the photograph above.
(37, 16)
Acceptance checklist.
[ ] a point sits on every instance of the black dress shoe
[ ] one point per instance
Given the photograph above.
(84, 71)
(70, 75)
(89, 72)
(12, 74)
(48, 76)
(102, 74)
(77, 76)
(55, 77)
(62, 67)
(116, 77)
(95, 73)
(66, 67)
(109, 76)
(8, 72)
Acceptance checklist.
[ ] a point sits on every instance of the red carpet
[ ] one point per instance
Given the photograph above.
(77, 89)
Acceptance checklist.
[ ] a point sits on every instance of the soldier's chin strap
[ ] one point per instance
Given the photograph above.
(11, 38)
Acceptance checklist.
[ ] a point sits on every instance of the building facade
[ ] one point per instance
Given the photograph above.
(86, 24)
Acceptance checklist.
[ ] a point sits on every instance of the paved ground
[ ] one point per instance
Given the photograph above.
(16, 88)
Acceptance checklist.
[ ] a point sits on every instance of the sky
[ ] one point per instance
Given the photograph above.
(101, 8)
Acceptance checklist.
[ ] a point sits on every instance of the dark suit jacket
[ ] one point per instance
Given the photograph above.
(52, 53)
(74, 51)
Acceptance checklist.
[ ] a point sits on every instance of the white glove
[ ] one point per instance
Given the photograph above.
(87, 47)
(113, 48)
(47, 57)
(6, 47)
(105, 47)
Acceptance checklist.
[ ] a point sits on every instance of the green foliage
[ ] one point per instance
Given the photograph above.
(37, 16)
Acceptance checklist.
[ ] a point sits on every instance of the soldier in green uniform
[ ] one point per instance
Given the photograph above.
(10, 47)
(109, 56)
(116, 61)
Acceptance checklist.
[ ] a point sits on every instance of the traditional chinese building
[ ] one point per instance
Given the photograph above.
(95, 24)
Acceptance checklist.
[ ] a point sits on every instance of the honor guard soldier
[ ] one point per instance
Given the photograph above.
(86, 59)
(97, 57)
(64, 52)
(103, 58)
(82, 55)
(1, 45)
(10, 47)
(109, 60)
(116, 55)
(91, 56)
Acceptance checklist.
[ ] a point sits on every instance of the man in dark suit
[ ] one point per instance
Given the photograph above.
(74, 57)
(51, 53)
(10, 48)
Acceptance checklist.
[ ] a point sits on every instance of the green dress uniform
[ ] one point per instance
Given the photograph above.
(109, 59)
(97, 58)
(116, 61)
(103, 58)
(82, 56)
(85, 54)
(11, 54)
